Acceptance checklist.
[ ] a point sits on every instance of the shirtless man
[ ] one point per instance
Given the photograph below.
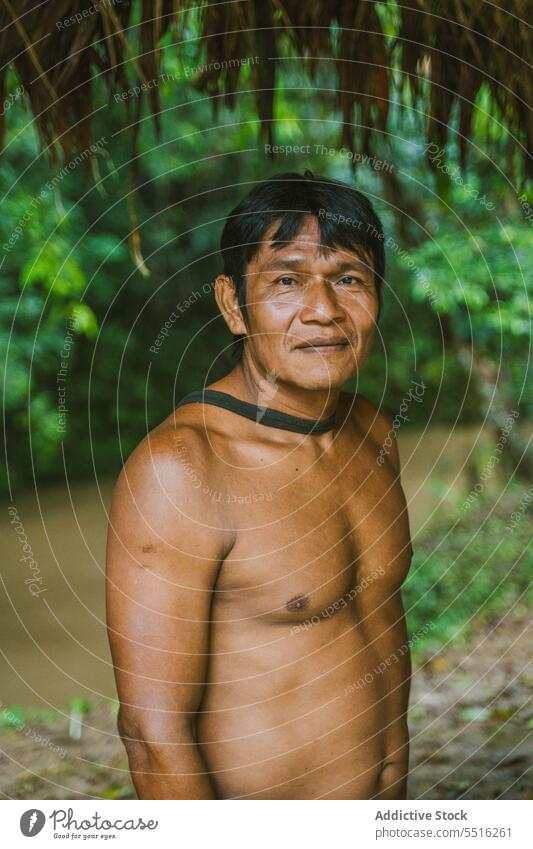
(256, 552)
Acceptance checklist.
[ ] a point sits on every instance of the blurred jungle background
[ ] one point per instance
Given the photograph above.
(129, 131)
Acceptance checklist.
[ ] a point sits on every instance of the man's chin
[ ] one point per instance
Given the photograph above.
(322, 379)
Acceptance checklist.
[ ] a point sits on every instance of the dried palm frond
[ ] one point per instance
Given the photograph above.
(470, 44)
(462, 46)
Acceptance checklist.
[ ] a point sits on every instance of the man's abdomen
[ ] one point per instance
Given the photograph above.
(296, 711)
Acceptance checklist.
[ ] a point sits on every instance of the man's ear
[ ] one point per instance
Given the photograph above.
(228, 304)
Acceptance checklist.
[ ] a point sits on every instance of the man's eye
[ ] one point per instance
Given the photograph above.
(350, 280)
(286, 281)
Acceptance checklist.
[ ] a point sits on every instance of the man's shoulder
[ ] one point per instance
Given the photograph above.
(161, 497)
(165, 447)
(374, 423)
(172, 465)
(366, 414)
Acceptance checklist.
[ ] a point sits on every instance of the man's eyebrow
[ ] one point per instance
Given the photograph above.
(279, 264)
(351, 265)
(297, 262)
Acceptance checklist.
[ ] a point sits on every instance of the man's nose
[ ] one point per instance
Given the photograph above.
(319, 303)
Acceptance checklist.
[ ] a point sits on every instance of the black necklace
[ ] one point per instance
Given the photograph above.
(260, 415)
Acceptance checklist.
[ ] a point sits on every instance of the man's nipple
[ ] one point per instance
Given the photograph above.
(299, 602)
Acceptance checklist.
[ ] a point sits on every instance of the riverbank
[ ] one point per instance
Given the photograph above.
(470, 722)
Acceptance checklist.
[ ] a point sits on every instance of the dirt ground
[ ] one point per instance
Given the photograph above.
(471, 725)
(472, 718)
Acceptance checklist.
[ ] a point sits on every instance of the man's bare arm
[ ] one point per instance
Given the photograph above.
(165, 546)
(391, 637)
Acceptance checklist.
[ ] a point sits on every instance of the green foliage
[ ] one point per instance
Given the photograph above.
(79, 705)
(118, 791)
(482, 279)
(468, 569)
(54, 271)
(69, 259)
(17, 718)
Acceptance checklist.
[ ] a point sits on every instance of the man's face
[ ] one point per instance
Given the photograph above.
(311, 314)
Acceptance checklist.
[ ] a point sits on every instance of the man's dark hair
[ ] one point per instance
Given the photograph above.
(345, 217)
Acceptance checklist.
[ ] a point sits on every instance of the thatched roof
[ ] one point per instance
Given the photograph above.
(443, 52)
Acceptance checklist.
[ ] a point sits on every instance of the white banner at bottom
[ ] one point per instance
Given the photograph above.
(264, 825)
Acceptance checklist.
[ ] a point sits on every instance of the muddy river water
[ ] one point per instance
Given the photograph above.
(52, 618)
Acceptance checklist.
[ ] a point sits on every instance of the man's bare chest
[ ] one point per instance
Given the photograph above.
(309, 534)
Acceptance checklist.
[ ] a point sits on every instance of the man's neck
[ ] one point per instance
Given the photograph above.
(248, 382)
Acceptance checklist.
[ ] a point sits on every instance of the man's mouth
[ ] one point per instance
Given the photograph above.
(324, 346)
